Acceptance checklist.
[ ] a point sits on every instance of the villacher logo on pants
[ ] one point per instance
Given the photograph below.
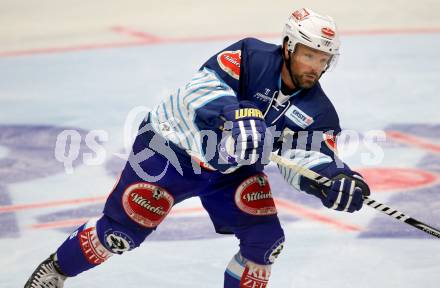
(147, 204)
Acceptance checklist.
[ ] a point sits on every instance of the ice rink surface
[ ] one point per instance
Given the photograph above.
(387, 79)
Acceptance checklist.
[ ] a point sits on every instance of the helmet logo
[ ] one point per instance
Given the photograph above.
(299, 15)
(327, 32)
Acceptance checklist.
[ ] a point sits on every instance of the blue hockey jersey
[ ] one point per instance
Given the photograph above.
(248, 70)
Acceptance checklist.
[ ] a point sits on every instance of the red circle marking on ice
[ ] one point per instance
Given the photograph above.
(392, 179)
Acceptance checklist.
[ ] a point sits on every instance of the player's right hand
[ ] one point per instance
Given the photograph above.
(345, 194)
(244, 144)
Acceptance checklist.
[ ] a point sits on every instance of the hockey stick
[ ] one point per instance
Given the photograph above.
(312, 175)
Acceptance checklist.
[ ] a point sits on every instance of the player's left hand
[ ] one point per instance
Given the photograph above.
(346, 193)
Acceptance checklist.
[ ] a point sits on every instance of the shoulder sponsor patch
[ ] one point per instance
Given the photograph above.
(229, 61)
(299, 117)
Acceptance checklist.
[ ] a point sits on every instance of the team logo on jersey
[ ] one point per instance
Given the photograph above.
(93, 250)
(264, 97)
(118, 242)
(328, 32)
(254, 196)
(147, 204)
(229, 61)
(299, 117)
(299, 15)
(330, 141)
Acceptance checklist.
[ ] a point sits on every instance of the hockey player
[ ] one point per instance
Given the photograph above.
(250, 96)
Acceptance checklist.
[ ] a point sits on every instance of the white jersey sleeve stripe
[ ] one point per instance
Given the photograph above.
(187, 133)
(179, 111)
(181, 132)
(195, 85)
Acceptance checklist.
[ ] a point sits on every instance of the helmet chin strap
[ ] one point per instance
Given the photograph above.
(288, 63)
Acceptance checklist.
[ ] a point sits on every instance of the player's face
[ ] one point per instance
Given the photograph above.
(307, 65)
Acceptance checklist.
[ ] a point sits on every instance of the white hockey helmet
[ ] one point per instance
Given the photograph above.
(312, 30)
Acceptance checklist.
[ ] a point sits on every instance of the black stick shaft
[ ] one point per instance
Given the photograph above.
(402, 217)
